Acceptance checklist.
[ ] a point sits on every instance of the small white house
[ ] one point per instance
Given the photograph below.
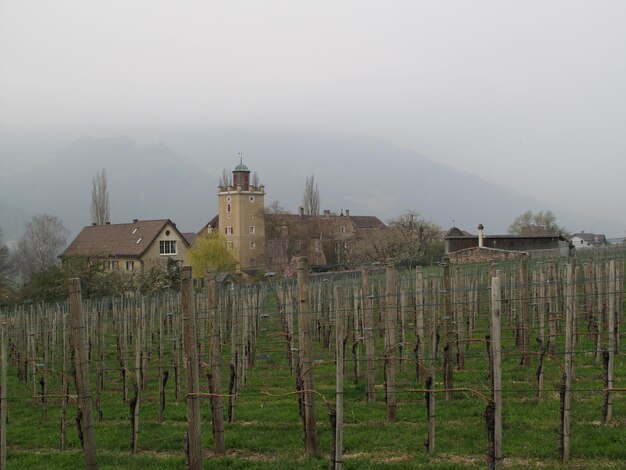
(588, 240)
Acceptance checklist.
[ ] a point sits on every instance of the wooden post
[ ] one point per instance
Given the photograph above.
(569, 362)
(433, 331)
(340, 354)
(496, 323)
(357, 335)
(449, 341)
(81, 366)
(102, 345)
(541, 307)
(524, 314)
(608, 415)
(430, 406)
(459, 320)
(368, 333)
(134, 402)
(235, 340)
(306, 359)
(404, 300)
(162, 371)
(541, 339)
(391, 315)
(217, 406)
(194, 438)
(3, 398)
(64, 385)
(124, 320)
(419, 322)
(143, 345)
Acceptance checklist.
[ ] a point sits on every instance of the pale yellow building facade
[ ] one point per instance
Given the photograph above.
(241, 219)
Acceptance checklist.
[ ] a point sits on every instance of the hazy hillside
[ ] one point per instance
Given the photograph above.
(178, 178)
(365, 175)
(145, 181)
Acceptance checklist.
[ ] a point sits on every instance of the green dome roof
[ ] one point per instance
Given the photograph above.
(242, 167)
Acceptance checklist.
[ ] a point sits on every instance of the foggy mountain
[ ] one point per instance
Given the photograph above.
(172, 173)
(145, 182)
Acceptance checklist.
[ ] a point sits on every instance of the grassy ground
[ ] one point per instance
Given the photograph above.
(267, 433)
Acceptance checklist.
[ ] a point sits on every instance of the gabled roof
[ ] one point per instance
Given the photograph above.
(189, 237)
(366, 221)
(593, 238)
(214, 223)
(118, 240)
(326, 224)
(456, 232)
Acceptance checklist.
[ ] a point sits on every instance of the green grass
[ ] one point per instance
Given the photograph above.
(267, 433)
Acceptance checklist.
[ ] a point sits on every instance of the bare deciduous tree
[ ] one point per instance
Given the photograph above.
(255, 181)
(407, 238)
(43, 240)
(539, 223)
(275, 208)
(311, 197)
(100, 214)
(226, 179)
(6, 269)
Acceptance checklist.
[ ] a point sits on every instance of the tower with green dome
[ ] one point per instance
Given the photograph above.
(241, 219)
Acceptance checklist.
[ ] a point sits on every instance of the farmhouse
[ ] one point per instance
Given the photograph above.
(464, 247)
(588, 240)
(132, 246)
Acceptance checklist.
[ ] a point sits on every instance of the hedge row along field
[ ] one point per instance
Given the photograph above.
(508, 366)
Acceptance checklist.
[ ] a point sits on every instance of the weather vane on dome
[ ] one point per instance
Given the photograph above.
(241, 157)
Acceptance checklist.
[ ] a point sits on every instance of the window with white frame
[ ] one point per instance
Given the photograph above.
(130, 265)
(167, 247)
(229, 230)
(253, 245)
(229, 245)
(251, 230)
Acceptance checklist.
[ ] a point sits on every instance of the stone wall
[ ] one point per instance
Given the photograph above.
(484, 255)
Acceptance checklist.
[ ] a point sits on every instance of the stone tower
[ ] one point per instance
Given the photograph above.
(241, 219)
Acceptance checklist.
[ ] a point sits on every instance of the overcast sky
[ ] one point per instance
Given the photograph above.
(530, 93)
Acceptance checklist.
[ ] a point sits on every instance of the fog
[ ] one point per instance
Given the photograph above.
(527, 94)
